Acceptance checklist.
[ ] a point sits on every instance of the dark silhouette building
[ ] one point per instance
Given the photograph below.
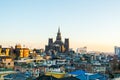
(58, 45)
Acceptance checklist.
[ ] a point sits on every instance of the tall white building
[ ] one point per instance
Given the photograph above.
(117, 51)
(82, 50)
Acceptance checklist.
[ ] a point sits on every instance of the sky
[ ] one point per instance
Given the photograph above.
(91, 23)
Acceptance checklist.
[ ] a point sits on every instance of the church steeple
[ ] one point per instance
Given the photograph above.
(58, 34)
(59, 30)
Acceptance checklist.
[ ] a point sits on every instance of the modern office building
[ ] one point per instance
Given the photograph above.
(58, 45)
(117, 51)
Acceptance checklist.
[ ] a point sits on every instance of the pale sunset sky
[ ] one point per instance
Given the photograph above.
(91, 23)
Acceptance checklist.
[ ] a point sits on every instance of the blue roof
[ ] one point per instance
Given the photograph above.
(82, 77)
(92, 77)
(95, 76)
(78, 72)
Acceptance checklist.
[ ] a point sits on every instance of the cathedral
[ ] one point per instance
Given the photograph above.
(58, 45)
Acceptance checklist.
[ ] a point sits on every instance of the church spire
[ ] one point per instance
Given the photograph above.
(58, 29)
(58, 34)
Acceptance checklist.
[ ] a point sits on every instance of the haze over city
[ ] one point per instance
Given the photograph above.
(94, 24)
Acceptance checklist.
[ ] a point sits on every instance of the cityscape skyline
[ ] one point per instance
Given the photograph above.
(94, 24)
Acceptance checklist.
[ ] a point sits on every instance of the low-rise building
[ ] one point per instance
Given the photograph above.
(6, 62)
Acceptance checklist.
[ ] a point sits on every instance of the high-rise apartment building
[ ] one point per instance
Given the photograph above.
(117, 51)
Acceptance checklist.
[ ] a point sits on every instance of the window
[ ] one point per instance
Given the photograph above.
(8, 63)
